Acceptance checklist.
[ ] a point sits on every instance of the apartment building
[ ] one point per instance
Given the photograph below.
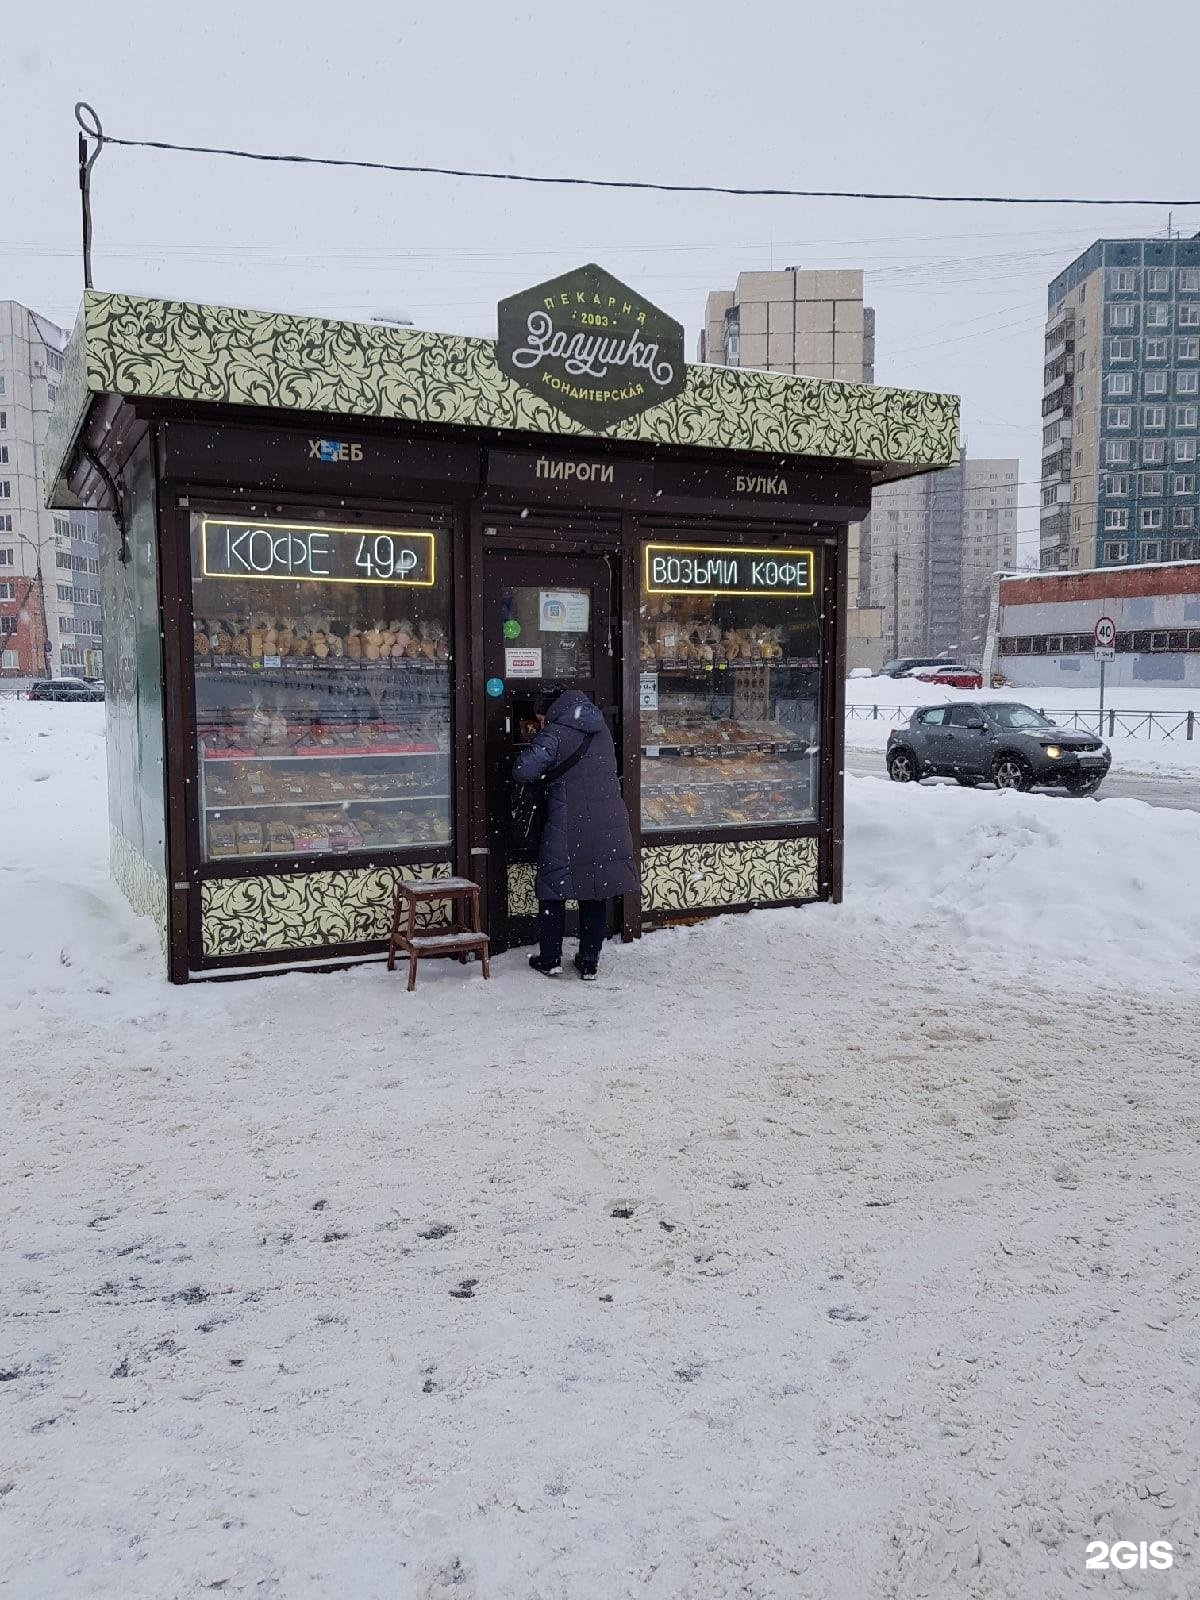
(933, 548)
(811, 323)
(49, 561)
(807, 322)
(1121, 407)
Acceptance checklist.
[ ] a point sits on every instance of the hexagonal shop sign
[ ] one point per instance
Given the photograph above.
(591, 346)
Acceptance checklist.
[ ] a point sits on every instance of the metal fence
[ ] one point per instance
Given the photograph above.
(1176, 725)
(1164, 725)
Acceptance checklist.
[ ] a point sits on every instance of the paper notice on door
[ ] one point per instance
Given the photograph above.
(522, 663)
(564, 610)
(648, 691)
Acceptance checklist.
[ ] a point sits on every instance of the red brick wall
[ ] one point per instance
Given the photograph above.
(1115, 583)
(30, 638)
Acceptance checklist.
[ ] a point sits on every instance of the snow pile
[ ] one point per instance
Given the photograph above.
(63, 926)
(821, 1253)
(1084, 894)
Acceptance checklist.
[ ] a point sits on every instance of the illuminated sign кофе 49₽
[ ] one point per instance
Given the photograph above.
(302, 552)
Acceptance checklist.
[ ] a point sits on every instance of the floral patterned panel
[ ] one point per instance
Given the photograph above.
(522, 898)
(136, 346)
(522, 893)
(69, 406)
(142, 886)
(307, 910)
(694, 877)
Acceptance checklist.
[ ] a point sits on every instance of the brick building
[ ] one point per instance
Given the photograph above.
(1043, 627)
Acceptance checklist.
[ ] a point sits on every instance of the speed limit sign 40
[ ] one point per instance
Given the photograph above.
(1105, 633)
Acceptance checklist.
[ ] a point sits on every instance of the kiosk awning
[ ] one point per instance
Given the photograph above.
(147, 349)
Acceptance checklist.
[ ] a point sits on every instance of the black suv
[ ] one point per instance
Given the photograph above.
(66, 689)
(997, 742)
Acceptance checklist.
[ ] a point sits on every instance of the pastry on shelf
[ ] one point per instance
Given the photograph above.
(249, 837)
(222, 839)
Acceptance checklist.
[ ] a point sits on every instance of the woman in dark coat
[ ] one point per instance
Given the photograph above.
(586, 848)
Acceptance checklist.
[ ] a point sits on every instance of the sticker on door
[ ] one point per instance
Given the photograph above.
(564, 610)
(522, 663)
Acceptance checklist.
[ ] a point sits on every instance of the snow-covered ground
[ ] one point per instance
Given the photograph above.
(1140, 750)
(843, 1252)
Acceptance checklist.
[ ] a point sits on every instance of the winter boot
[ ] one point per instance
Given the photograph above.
(548, 969)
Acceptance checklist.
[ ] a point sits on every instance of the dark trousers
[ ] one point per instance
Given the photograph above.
(552, 921)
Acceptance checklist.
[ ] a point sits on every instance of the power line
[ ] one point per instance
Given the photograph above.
(636, 184)
(726, 246)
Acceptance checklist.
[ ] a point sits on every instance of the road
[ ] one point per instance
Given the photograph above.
(1176, 793)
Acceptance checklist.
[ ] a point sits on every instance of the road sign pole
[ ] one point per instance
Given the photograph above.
(1104, 636)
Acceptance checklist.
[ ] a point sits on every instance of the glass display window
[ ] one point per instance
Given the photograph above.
(730, 686)
(322, 687)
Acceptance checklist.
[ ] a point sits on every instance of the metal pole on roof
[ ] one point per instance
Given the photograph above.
(89, 128)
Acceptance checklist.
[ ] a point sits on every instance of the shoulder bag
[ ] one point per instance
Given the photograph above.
(529, 803)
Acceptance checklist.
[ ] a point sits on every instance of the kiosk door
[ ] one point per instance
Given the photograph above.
(548, 624)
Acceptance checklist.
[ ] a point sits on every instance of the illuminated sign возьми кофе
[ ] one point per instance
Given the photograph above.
(727, 569)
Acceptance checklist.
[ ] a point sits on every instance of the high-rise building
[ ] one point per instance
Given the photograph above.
(1121, 406)
(811, 323)
(935, 543)
(49, 561)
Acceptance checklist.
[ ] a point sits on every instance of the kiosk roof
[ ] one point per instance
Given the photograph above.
(146, 349)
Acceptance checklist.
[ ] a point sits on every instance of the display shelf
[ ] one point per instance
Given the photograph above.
(704, 827)
(652, 791)
(299, 853)
(699, 671)
(322, 753)
(653, 752)
(225, 666)
(336, 800)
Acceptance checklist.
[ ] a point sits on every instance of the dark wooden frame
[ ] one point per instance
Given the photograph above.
(506, 540)
(840, 495)
(832, 542)
(177, 501)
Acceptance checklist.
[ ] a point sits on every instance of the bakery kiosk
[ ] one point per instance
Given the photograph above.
(339, 561)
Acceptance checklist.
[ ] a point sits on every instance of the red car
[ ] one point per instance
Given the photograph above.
(951, 674)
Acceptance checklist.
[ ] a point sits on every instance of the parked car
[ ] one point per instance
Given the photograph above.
(66, 689)
(903, 664)
(1001, 742)
(951, 674)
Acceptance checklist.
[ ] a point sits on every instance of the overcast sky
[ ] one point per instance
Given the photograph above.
(1035, 99)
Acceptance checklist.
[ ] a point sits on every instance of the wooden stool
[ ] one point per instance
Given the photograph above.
(458, 937)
